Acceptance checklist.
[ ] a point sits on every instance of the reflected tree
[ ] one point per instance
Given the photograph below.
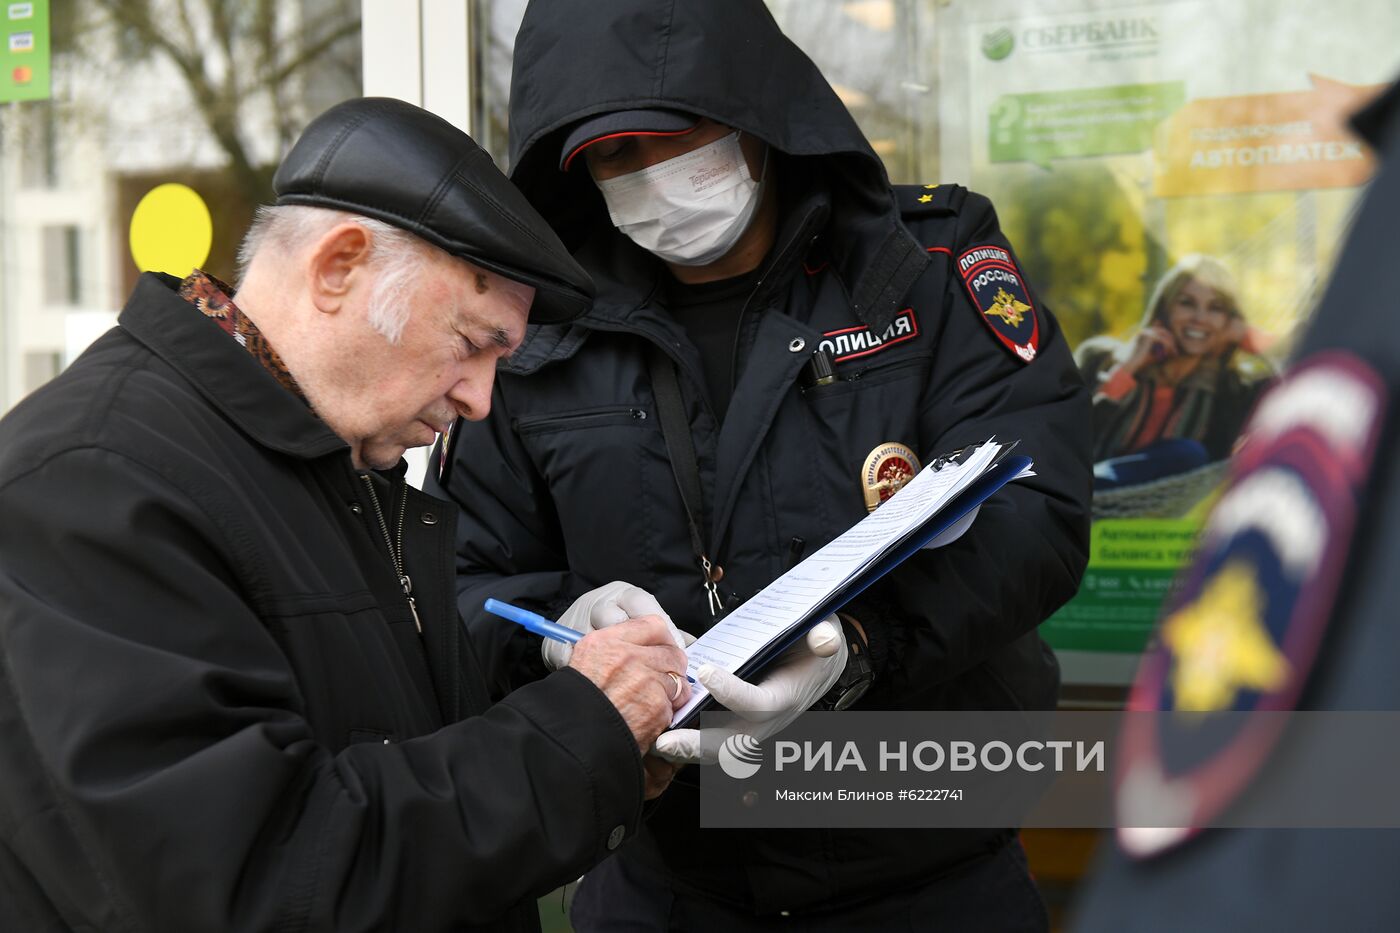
(1079, 233)
(208, 93)
(245, 66)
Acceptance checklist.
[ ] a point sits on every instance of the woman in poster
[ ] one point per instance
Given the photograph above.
(1174, 396)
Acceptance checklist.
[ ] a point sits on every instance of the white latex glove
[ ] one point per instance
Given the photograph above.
(800, 677)
(607, 605)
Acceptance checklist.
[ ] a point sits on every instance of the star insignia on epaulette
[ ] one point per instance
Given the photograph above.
(1221, 646)
(930, 187)
(925, 198)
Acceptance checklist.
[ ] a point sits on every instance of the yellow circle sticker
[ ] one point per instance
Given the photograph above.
(171, 231)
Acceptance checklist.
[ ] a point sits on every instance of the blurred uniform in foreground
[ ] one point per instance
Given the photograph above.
(1322, 637)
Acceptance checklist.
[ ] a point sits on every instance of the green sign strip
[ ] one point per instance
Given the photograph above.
(1132, 565)
(24, 50)
(1142, 542)
(1052, 125)
(1114, 610)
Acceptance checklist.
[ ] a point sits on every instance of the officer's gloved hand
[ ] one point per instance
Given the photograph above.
(801, 676)
(607, 605)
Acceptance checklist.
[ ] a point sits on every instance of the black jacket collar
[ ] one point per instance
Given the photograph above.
(230, 379)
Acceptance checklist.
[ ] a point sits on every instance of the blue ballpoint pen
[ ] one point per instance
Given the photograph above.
(532, 621)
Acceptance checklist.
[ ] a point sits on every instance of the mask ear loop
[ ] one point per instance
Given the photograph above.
(762, 169)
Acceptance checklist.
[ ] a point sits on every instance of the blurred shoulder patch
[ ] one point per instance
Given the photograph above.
(1244, 629)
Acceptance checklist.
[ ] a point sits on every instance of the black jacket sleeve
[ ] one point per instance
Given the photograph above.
(158, 772)
(946, 610)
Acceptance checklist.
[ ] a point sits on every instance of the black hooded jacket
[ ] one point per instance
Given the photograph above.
(568, 485)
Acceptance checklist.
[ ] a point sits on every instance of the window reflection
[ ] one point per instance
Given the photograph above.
(200, 92)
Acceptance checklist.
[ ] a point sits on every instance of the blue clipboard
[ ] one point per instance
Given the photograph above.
(1006, 468)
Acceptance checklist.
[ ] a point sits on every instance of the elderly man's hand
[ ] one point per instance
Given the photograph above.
(601, 607)
(799, 678)
(640, 669)
(659, 774)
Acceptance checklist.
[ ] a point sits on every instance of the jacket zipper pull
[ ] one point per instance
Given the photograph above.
(407, 585)
(713, 574)
(795, 548)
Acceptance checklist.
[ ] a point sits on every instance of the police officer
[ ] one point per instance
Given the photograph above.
(1337, 397)
(780, 339)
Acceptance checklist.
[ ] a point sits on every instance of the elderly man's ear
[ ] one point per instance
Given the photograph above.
(336, 264)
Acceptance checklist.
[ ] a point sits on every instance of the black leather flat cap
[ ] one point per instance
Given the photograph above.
(398, 163)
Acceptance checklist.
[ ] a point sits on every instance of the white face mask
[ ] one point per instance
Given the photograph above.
(689, 210)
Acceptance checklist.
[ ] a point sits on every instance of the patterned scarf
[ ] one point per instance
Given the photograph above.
(211, 297)
(1193, 403)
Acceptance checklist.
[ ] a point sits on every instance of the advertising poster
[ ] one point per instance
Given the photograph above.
(1175, 189)
(24, 57)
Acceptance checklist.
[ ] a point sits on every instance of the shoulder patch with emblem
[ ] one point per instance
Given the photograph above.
(998, 291)
(1243, 631)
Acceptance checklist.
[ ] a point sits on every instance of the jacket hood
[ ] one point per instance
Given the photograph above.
(723, 59)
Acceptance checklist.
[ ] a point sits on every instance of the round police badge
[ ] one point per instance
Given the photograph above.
(886, 470)
(1244, 629)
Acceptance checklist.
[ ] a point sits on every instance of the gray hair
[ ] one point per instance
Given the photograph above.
(397, 255)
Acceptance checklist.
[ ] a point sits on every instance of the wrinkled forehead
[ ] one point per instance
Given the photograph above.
(516, 294)
(498, 302)
(510, 296)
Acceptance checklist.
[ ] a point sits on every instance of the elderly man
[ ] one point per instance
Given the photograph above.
(234, 690)
(780, 339)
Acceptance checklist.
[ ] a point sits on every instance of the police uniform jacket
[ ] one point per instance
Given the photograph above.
(215, 711)
(567, 485)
